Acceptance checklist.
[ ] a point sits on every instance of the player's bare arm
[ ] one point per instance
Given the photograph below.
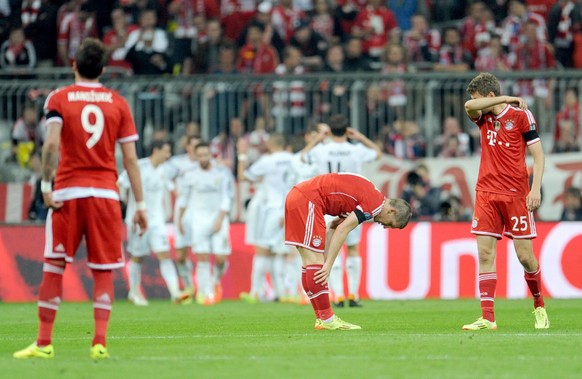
(337, 240)
(130, 165)
(218, 222)
(477, 104)
(49, 157)
(181, 212)
(323, 131)
(354, 134)
(534, 197)
(242, 148)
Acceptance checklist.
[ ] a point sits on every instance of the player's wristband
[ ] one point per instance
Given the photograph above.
(46, 187)
(141, 206)
(242, 157)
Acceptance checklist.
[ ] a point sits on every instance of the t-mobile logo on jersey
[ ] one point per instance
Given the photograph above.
(492, 137)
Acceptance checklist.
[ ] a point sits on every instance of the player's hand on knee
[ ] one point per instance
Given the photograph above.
(322, 276)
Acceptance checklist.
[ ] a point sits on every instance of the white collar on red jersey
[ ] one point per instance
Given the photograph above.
(89, 84)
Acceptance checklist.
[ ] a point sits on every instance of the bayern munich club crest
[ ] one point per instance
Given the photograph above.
(316, 241)
(509, 125)
(474, 223)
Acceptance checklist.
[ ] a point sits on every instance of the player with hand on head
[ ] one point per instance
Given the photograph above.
(155, 239)
(504, 201)
(353, 199)
(84, 122)
(206, 198)
(332, 151)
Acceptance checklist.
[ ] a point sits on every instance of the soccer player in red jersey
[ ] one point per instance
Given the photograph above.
(352, 198)
(84, 121)
(504, 201)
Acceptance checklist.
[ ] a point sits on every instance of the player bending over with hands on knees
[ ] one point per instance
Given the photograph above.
(504, 202)
(352, 198)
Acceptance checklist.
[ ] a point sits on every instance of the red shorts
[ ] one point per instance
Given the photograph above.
(96, 219)
(304, 222)
(497, 214)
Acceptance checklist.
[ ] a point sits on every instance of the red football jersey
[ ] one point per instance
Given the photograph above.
(93, 119)
(504, 139)
(342, 193)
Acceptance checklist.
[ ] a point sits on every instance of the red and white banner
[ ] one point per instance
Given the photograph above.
(457, 176)
(15, 199)
(424, 260)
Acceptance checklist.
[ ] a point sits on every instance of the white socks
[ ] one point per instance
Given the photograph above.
(293, 270)
(261, 265)
(134, 274)
(168, 271)
(336, 278)
(185, 272)
(354, 270)
(203, 276)
(279, 275)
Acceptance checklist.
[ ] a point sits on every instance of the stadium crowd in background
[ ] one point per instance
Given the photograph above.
(185, 36)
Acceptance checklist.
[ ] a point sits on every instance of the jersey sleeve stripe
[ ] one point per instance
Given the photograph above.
(529, 143)
(127, 139)
(530, 117)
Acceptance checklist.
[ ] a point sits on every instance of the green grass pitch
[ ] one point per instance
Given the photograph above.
(400, 339)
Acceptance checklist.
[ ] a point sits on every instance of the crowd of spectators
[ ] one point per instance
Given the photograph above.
(187, 36)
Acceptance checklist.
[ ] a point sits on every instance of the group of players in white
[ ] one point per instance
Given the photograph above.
(205, 192)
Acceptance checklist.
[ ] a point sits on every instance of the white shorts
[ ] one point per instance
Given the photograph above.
(263, 226)
(354, 236)
(155, 239)
(204, 241)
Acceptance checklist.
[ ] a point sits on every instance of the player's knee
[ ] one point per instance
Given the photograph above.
(203, 257)
(486, 255)
(55, 262)
(526, 257)
(137, 259)
(163, 256)
(55, 266)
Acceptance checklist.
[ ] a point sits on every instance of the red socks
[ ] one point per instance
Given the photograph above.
(49, 298)
(534, 282)
(487, 284)
(102, 300)
(318, 294)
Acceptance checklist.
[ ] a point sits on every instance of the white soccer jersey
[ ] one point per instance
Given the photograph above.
(154, 182)
(340, 157)
(207, 191)
(178, 165)
(276, 173)
(303, 170)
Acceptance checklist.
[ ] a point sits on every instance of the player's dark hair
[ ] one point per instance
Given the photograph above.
(90, 58)
(338, 124)
(403, 212)
(158, 144)
(202, 144)
(483, 84)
